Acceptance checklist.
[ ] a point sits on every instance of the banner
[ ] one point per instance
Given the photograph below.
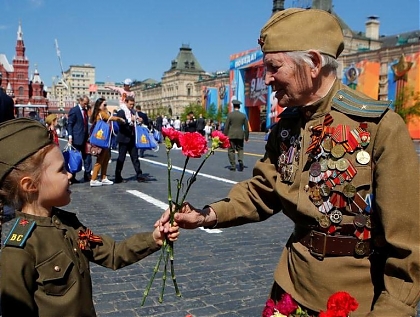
(255, 89)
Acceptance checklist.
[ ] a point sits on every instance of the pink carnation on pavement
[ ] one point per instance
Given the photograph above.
(193, 144)
(224, 141)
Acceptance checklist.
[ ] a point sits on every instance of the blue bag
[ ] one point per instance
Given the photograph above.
(73, 159)
(142, 137)
(153, 143)
(115, 128)
(101, 134)
(157, 135)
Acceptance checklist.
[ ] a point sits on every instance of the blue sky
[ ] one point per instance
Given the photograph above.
(139, 38)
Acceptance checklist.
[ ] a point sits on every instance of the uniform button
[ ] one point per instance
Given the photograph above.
(310, 128)
(57, 222)
(75, 250)
(340, 97)
(57, 268)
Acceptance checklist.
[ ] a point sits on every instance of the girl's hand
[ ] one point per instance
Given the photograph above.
(172, 234)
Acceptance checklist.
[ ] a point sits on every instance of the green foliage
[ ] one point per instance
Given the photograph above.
(408, 96)
(197, 109)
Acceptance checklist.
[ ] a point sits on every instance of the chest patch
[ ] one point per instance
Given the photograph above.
(20, 232)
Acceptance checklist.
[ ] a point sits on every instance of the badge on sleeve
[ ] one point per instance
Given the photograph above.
(20, 232)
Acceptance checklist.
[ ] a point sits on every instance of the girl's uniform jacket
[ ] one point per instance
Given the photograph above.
(45, 264)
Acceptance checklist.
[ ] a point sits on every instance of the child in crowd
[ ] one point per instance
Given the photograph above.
(207, 130)
(51, 123)
(45, 260)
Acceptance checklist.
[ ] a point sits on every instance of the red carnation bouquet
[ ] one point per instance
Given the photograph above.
(339, 304)
(193, 145)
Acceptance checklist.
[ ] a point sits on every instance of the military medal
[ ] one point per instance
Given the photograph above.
(363, 157)
(360, 248)
(359, 221)
(338, 151)
(342, 164)
(327, 144)
(324, 190)
(349, 191)
(324, 221)
(336, 216)
(315, 169)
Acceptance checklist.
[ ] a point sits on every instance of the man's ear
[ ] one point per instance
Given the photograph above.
(317, 61)
(28, 185)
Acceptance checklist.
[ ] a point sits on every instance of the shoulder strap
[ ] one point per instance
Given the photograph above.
(20, 232)
(354, 103)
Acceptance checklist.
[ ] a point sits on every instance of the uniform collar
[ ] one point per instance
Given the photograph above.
(53, 221)
(321, 107)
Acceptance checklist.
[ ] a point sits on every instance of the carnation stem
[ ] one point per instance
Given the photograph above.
(162, 291)
(171, 257)
(194, 176)
(155, 270)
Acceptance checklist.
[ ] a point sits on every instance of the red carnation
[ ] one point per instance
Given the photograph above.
(340, 304)
(269, 308)
(287, 305)
(172, 134)
(193, 144)
(224, 142)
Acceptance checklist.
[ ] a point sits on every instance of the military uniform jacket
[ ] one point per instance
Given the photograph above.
(49, 274)
(384, 284)
(236, 126)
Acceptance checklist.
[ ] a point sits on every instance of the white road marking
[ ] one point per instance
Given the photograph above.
(178, 168)
(163, 206)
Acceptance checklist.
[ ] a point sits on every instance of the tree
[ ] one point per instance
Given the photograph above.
(197, 109)
(211, 112)
(407, 104)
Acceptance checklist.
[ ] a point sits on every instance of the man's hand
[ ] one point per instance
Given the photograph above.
(188, 217)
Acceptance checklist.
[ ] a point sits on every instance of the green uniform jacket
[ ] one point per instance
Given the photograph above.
(236, 126)
(385, 285)
(49, 275)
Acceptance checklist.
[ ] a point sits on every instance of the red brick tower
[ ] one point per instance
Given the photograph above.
(20, 78)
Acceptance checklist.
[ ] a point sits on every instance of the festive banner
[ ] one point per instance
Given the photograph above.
(368, 79)
(413, 85)
(255, 88)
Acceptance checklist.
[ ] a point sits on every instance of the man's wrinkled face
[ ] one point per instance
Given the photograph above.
(290, 80)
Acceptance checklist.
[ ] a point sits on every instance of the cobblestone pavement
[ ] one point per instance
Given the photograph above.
(224, 274)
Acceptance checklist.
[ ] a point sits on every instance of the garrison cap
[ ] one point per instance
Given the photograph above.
(301, 30)
(19, 139)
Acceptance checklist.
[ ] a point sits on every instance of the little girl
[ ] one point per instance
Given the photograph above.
(45, 259)
(51, 123)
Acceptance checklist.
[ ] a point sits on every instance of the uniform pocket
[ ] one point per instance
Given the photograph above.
(55, 274)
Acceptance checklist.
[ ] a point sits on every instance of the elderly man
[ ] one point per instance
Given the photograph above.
(342, 167)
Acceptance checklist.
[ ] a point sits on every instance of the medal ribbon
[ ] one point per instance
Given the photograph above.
(86, 237)
(318, 133)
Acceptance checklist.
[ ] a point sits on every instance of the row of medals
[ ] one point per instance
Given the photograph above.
(329, 164)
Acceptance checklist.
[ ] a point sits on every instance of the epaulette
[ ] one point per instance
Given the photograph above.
(20, 232)
(353, 103)
(291, 112)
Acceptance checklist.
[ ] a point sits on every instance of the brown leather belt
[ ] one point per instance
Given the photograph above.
(321, 245)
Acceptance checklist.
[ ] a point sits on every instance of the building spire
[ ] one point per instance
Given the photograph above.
(19, 32)
(278, 5)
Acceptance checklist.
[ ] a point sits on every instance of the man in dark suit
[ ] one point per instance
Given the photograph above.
(236, 128)
(201, 123)
(144, 120)
(190, 123)
(78, 130)
(7, 106)
(126, 141)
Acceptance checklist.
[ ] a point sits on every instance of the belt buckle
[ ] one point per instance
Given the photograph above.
(320, 256)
